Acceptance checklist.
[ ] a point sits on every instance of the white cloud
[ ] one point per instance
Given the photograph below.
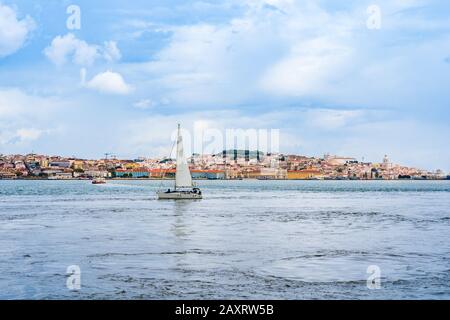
(144, 104)
(311, 67)
(22, 115)
(65, 47)
(13, 32)
(295, 50)
(20, 137)
(29, 134)
(16, 104)
(109, 82)
(69, 47)
(330, 119)
(299, 50)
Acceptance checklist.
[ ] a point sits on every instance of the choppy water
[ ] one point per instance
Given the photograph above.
(246, 239)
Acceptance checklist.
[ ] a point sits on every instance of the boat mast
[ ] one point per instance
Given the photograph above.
(178, 140)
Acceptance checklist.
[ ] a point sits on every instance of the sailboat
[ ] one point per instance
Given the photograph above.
(184, 188)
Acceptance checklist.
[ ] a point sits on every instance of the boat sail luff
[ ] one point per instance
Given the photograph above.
(183, 174)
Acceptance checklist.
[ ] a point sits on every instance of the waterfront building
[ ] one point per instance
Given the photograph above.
(162, 173)
(208, 174)
(8, 175)
(60, 164)
(78, 164)
(272, 174)
(93, 173)
(251, 173)
(233, 173)
(134, 173)
(60, 176)
(43, 162)
(307, 174)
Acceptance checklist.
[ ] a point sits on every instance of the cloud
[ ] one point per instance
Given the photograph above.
(302, 50)
(29, 134)
(69, 47)
(16, 104)
(24, 117)
(21, 137)
(109, 82)
(144, 104)
(310, 68)
(13, 32)
(330, 119)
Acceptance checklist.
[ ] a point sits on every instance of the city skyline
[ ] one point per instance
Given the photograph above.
(227, 165)
(229, 153)
(172, 156)
(312, 69)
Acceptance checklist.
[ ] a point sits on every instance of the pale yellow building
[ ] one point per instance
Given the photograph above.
(307, 174)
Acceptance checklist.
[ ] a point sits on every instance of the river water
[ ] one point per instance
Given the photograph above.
(244, 240)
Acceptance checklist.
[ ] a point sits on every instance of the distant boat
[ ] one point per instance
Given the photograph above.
(99, 181)
(184, 188)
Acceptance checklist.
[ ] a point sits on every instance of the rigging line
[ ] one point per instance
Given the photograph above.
(163, 173)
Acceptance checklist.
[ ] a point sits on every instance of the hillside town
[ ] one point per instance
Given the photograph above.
(231, 164)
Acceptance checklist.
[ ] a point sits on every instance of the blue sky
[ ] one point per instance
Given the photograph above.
(312, 69)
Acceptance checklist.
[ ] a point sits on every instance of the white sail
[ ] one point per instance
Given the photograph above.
(183, 175)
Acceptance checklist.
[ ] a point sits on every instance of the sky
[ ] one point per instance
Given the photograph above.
(351, 78)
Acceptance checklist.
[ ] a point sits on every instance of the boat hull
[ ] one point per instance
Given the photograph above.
(179, 195)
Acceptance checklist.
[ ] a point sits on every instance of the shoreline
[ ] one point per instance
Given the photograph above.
(243, 179)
